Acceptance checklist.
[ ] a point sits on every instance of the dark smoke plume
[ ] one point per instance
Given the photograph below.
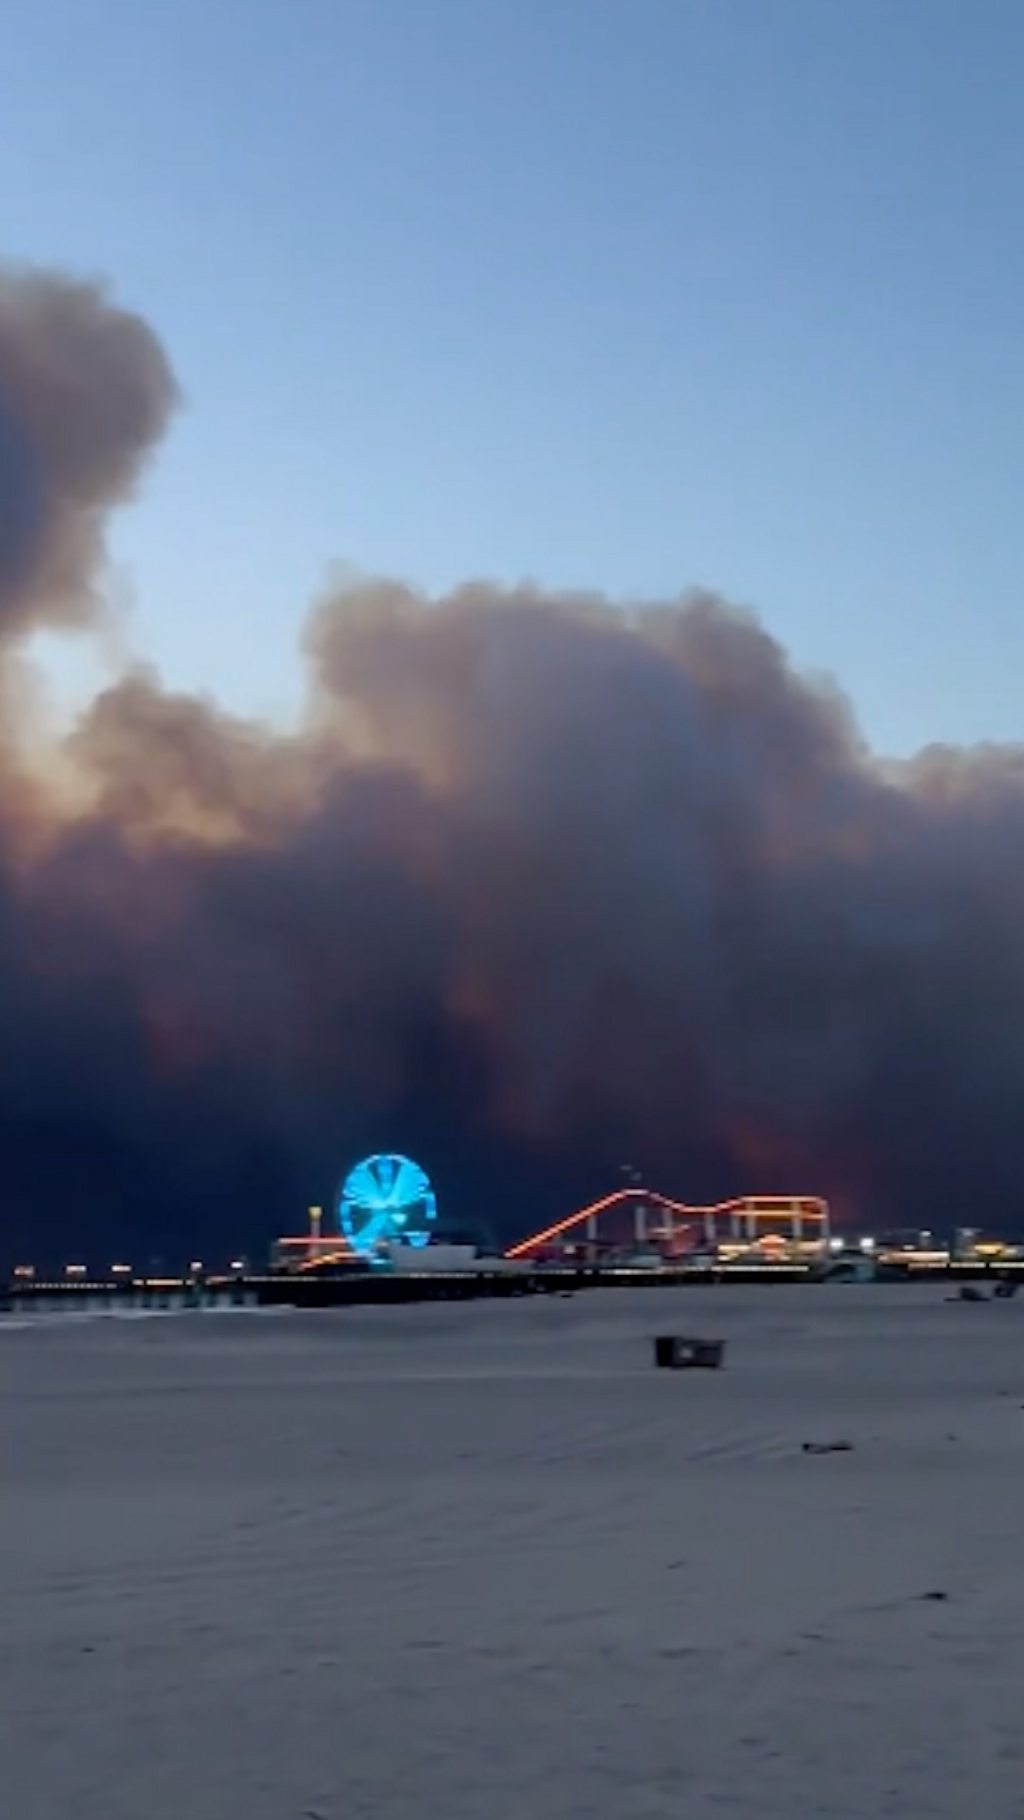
(546, 885)
(85, 392)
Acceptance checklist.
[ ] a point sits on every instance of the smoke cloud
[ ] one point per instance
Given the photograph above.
(85, 392)
(545, 885)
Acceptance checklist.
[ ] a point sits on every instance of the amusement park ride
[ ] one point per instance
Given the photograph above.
(781, 1225)
(387, 1209)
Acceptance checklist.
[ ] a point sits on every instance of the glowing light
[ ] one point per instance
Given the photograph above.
(323, 1259)
(303, 1242)
(386, 1200)
(752, 1207)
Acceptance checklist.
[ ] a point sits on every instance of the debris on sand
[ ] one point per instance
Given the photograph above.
(675, 1352)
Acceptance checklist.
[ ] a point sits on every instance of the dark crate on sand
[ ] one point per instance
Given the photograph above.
(674, 1352)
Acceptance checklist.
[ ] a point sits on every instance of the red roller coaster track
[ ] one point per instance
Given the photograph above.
(755, 1209)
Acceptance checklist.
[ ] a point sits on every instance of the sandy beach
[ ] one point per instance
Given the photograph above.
(484, 1562)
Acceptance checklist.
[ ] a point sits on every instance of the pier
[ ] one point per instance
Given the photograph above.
(355, 1288)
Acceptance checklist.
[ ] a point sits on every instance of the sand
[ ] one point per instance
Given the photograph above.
(484, 1563)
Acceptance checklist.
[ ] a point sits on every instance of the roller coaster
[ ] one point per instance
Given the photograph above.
(644, 1221)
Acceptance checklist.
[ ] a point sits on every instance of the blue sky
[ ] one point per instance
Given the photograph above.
(634, 294)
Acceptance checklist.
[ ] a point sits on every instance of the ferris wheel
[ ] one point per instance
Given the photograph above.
(386, 1199)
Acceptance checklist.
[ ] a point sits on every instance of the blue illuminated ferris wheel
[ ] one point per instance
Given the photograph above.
(386, 1200)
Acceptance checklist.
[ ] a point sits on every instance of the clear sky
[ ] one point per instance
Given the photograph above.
(625, 293)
